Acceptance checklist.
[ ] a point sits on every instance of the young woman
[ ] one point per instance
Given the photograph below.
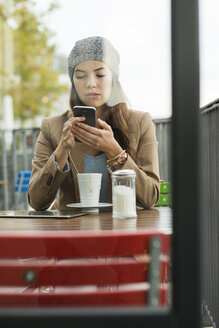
(122, 139)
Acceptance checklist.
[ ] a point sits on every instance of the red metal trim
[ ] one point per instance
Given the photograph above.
(97, 298)
(54, 244)
(85, 273)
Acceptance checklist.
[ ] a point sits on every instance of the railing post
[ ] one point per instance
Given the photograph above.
(15, 171)
(24, 142)
(4, 171)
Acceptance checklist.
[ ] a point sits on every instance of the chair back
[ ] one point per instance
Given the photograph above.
(22, 181)
(21, 188)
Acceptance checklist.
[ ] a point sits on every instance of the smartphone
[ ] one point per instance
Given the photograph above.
(86, 111)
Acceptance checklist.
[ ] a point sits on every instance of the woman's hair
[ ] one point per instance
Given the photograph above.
(117, 113)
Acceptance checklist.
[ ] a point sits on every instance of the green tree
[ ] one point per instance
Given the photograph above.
(38, 85)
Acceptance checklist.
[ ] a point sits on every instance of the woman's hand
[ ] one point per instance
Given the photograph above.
(100, 139)
(67, 141)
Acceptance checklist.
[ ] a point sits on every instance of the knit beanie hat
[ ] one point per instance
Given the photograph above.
(93, 48)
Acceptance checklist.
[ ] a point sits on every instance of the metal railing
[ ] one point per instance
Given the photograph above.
(210, 157)
(163, 134)
(17, 148)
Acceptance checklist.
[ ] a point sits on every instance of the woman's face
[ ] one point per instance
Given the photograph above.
(93, 82)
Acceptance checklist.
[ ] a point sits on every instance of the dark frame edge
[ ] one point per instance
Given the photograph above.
(83, 317)
(186, 163)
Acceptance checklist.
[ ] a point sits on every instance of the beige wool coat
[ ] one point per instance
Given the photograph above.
(47, 178)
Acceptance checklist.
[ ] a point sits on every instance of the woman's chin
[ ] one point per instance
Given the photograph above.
(94, 103)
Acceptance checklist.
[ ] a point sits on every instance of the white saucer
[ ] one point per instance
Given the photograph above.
(89, 208)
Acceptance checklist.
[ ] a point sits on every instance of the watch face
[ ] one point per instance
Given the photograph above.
(122, 159)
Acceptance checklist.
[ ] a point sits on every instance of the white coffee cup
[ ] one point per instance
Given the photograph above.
(89, 188)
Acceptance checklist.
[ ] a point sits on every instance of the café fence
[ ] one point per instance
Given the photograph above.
(17, 148)
(210, 158)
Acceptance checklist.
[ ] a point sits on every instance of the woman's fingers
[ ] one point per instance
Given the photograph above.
(87, 132)
(85, 136)
(73, 121)
(70, 124)
(104, 125)
(86, 127)
(88, 135)
(101, 139)
(68, 132)
(94, 130)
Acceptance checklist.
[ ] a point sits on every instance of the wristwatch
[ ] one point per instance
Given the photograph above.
(117, 162)
(122, 159)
